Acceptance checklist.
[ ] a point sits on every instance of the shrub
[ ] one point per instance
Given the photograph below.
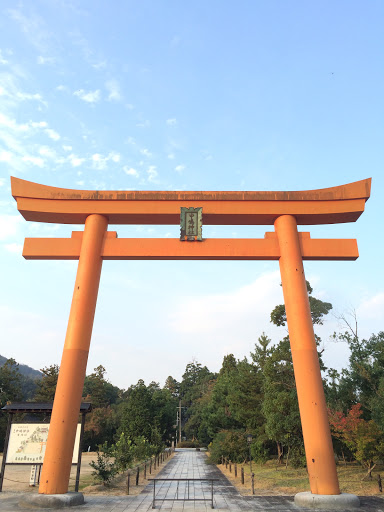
(232, 445)
(104, 468)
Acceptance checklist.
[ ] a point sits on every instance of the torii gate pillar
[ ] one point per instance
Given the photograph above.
(313, 410)
(58, 455)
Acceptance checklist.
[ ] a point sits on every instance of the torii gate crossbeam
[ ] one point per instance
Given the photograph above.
(284, 210)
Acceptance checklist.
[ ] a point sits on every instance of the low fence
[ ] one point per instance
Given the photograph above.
(146, 467)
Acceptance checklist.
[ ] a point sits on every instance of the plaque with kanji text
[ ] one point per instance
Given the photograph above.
(191, 224)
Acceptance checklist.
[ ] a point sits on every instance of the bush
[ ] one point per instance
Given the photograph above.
(232, 445)
(188, 444)
(124, 452)
(105, 468)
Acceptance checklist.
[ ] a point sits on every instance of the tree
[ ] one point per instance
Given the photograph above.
(10, 391)
(10, 382)
(99, 390)
(46, 387)
(318, 310)
(363, 438)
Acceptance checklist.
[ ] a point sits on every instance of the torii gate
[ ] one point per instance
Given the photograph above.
(97, 209)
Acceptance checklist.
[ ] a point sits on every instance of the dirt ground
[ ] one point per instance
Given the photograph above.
(16, 478)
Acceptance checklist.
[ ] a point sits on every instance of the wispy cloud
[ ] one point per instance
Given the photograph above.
(152, 174)
(113, 88)
(171, 122)
(146, 152)
(33, 160)
(88, 97)
(52, 134)
(45, 60)
(33, 27)
(9, 226)
(2, 59)
(100, 162)
(144, 124)
(75, 160)
(179, 168)
(130, 171)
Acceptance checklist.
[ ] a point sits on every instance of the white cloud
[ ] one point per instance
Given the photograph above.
(115, 157)
(171, 122)
(99, 161)
(45, 60)
(171, 156)
(15, 248)
(100, 65)
(2, 59)
(130, 171)
(234, 318)
(34, 160)
(2, 182)
(74, 160)
(372, 308)
(39, 124)
(9, 226)
(146, 152)
(62, 88)
(144, 124)
(5, 156)
(52, 134)
(113, 89)
(179, 168)
(67, 148)
(88, 97)
(12, 124)
(152, 173)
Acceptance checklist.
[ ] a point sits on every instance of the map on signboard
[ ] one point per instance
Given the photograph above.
(27, 442)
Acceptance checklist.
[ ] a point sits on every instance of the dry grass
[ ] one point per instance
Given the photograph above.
(271, 479)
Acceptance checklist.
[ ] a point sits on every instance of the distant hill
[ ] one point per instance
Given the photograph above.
(25, 370)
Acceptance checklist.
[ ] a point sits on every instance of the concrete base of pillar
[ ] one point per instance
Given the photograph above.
(69, 499)
(342, 501)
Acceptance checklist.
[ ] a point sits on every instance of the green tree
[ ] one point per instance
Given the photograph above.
(319, 309)
(46, 387)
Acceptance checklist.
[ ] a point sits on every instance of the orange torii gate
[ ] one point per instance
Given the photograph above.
(284, 210)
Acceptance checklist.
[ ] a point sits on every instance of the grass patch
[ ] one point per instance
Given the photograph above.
(272, 479)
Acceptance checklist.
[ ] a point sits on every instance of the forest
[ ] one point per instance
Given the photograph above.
(255, 395)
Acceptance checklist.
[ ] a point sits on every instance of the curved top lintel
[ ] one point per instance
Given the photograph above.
(27, 189)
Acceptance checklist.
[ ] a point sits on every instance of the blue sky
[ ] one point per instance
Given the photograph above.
(217, 95)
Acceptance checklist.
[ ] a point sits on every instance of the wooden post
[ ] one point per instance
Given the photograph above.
(66, 406)
(128, 481)
(235, 470)
(313, 410)
(137, 475)
(242, 475)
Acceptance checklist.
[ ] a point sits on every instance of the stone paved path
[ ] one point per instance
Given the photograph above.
(187, 464)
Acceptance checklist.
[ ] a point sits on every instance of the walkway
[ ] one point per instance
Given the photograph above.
(187, 464)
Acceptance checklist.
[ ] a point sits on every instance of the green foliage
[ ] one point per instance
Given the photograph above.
(231, 445)
(318, 308)
(124, 452)
(104, 467)
(46, 387)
